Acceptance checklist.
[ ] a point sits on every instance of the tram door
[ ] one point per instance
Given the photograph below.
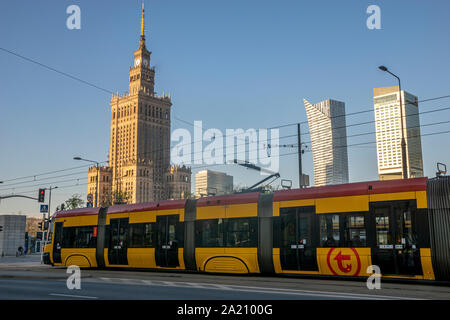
(395, 250)
(117, 251)
(298, 245)
(57, 242)
(166, 253)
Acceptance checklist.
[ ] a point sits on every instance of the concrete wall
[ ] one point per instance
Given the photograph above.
(13, 235)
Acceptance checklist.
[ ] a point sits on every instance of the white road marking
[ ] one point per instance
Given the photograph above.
(212, 286)
(71, 296)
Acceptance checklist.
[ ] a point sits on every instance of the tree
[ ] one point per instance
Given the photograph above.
(74, 202)
(120, 197)
(187, 195)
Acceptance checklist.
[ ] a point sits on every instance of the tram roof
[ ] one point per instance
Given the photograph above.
(353, 189)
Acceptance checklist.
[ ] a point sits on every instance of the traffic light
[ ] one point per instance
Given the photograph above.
(41, 196)
(1, 228)
(40, 225)
(45, 225)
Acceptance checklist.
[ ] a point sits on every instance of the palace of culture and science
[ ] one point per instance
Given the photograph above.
(138, 168)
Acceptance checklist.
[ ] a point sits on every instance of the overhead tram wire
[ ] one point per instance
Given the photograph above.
(187, 122)
(345, 146)
(391, 118)
(56, 70)
(59, 187)
(357, 112)
(286, 154)
(41, 179)
(111, 92)
(46, 183)
(46, 173)
(308, 142)
(293, 135)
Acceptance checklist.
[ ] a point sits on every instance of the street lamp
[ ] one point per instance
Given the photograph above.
(96, 185)
(403, 142)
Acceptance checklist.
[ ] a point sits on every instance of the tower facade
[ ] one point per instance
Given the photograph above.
(328, 133)
(140, 133)
(388, 133)
(139, 153)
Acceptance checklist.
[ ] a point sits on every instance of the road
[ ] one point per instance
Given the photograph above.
(26, 278)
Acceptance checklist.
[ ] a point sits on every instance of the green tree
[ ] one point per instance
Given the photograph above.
(74, 202)
(188, 195)
(120, 197)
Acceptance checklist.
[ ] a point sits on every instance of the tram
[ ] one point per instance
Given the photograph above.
(401, 226)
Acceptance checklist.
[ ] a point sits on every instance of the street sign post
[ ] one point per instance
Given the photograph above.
(44, 208)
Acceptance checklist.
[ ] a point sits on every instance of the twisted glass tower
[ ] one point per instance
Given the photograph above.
(328, 133)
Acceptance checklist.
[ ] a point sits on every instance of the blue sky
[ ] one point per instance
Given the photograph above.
(231, 64)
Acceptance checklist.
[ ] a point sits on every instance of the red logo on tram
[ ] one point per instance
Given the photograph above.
(344, 261)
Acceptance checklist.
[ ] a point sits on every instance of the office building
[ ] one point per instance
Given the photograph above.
(328, 132)
(208, 182)
(389, 133)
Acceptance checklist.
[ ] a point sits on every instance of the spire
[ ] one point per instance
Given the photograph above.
(142, 42)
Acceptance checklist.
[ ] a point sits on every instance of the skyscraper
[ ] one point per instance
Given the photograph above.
(139, 154)
(208, 182)
(328, 133)
(388, 133)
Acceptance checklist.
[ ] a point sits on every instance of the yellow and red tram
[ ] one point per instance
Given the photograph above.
(337, 230)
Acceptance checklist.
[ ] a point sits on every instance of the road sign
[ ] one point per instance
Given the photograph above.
(89, 205)
(44, 208)
(90, 197)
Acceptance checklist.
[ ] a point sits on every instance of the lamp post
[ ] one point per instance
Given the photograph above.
(403, 142)
(96, 185)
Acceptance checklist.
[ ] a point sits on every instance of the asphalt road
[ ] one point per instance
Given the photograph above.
(27, 279)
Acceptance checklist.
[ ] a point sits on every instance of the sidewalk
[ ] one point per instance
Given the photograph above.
(27, 260)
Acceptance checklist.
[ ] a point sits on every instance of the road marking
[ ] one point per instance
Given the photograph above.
(212, 286)
(71, 296)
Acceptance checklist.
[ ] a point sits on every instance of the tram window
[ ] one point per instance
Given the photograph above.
(405, 234)
(171, 232)
(136, 235)
(149, 235)
(355, 231)
(382, 229)
(68, 238)
(50, 230)
(241, 233)
(79, 237)
(209, 233)
(142, 235)
(329, 230)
